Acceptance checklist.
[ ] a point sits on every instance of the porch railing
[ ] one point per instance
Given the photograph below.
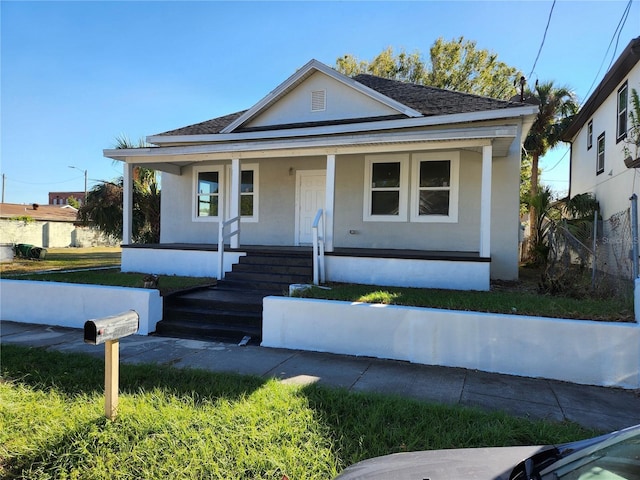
(222, 238)
(318, 248)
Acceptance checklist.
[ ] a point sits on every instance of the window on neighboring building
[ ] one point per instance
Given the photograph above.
(207, 187)
(621, 129)
(600, 159)
(589, 134)
(386, 184)
(435, 187)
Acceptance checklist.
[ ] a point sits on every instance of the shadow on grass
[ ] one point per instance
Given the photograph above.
(77, 373)
(37, 463)
(370, 425)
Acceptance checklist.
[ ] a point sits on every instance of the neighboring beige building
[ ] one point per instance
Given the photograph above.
(47, 226)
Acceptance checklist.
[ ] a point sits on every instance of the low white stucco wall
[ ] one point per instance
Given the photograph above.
(190, 263)
(70, 304)
(578, 351)
(398, 272)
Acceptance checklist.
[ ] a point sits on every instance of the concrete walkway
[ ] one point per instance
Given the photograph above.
(595, 407)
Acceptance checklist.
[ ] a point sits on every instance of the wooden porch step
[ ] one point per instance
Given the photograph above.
(264, 280)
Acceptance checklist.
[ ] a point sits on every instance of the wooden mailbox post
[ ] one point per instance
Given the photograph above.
(109, 330)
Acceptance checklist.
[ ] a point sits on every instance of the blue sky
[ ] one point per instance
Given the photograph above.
(74, 75)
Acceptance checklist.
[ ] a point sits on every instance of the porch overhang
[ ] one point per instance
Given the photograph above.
(171, 159)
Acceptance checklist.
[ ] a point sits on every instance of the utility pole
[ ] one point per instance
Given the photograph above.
(3, 178)
(85, 183)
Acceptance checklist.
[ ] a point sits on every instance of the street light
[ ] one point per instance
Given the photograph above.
(85, 182)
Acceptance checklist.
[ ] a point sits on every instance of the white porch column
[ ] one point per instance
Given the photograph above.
(234, 206)
(127, 204)
(329, 202)
(485, 202)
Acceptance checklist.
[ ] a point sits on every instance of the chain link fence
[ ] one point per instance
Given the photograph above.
(601, 250)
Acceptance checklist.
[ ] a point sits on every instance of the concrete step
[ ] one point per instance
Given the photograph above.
(200, 331)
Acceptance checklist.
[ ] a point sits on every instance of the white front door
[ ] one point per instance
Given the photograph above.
(310, 196)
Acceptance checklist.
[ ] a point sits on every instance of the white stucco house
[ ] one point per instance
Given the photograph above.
(416, 186)
(599, 134)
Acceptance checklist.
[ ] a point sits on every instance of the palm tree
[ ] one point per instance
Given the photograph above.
(103, 207)
(556, 107)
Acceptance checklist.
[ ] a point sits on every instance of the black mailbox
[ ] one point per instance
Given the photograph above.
(111, 328)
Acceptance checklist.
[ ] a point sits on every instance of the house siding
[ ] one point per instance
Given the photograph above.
(613, 187)
(277, 191)
(341, 102)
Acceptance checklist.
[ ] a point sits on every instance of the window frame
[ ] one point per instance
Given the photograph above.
(195, 194)
(227, 194)
(589, 134)
(624, 113)
(454, 186)
(403, 187)
(599, 162)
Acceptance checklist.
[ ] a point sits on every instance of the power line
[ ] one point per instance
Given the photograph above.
(543, 38)
(622, 21)
(558, 162)
(619, 28)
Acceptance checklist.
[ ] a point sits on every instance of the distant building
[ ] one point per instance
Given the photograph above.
(48, 226)
(62, 198)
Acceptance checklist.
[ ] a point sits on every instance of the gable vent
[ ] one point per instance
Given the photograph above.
(318, 100)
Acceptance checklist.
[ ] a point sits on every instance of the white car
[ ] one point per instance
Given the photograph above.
(614, 456)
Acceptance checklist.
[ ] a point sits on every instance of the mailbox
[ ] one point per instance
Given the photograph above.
(111, 328)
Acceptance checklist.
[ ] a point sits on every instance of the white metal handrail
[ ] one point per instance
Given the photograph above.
(318, 248)
(222, 237)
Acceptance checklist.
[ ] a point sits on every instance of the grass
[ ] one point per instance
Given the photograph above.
(65, 258)
(166, 283)
(519, 298)
(188, 423)
(518, 301)
(54, 268)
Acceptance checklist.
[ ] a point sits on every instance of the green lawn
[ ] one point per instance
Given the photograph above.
(517, 301)
(65, 258)
(181, 424)
(519, 297)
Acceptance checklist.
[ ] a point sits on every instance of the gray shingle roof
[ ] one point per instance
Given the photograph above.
(429, 101)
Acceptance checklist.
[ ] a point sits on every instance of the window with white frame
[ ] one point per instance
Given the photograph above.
(248, 193)
(600, 157)
(386, 185)
(435, 187)
(207, 201)
(589, 134)
(621, 123)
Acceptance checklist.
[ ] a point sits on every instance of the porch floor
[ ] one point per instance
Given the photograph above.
(338, 251)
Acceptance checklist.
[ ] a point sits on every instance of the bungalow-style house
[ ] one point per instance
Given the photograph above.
(599, 134)
(386, 182)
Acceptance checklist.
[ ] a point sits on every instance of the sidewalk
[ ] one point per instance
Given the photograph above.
(594, 407)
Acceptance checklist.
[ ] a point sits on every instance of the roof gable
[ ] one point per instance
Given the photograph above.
(362, 99)
(291, 101)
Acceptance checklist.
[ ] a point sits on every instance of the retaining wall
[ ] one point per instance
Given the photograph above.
(71, 304)
(578, 351)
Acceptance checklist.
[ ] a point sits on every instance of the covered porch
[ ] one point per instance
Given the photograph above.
(396, 252)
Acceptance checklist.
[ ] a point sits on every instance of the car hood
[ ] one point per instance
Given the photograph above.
(454, 464)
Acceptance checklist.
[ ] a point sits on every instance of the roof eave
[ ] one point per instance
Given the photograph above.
(507, 113)
(623, 65)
